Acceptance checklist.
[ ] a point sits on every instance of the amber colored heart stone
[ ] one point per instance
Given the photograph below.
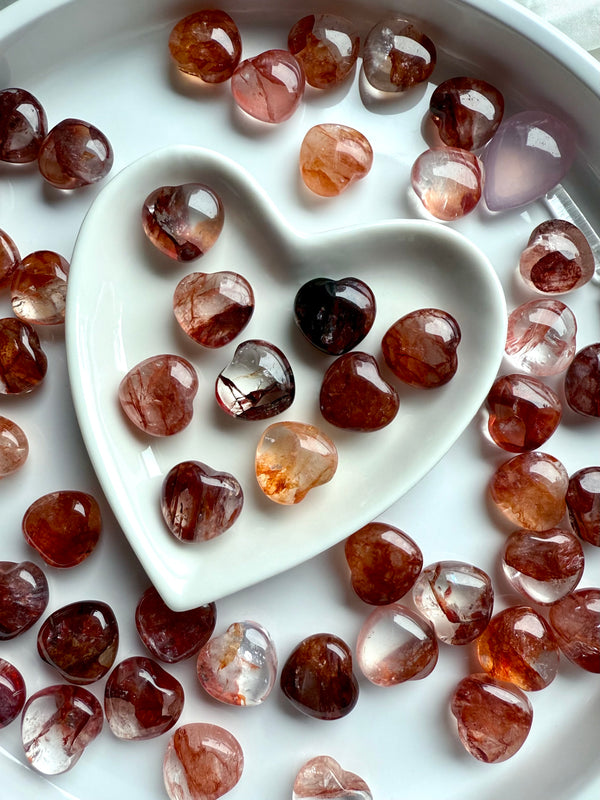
(355, 396)
(23, 597)
(23, 363)
(23, 126)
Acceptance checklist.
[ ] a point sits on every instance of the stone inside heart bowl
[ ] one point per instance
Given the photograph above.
(120, 312)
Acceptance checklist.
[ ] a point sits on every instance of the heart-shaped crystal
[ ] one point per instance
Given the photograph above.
(324, 777)
(23, 597)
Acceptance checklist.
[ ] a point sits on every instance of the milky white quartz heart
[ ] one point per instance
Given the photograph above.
(119, 311)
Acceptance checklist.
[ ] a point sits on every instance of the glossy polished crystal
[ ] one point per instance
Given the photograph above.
(269, 86)
(494, 717)
(239, 667)
(172, 636)
(518, 646)
(291, 459)
(80, 641)
(23, 363)
(582, 381)
(583, 504)
(12, 693)
(466, 112)
(575, 620)
(207, 45)
(141, 699)
(530, 490)
(448, 181)
(420, 348)
(75, 154)
(541, 337)
(529, 155)
(333, 157)
(557, 259)
(258, 383)
(183, 221)
(23, 126)
(317, 677)
(39, 288)
(323, 777)
(384, 563)
(14, 447)
(397, 55)
(355, 396)
(57, 725)
(543, 565)
(199, 503)
(23, 597)
(157, 394)
(523, 412)
(212, 309)
(202, 762)
(64, 527)
(334, 315)
(396, 645)
(327, 47)
(457, 598)
(9, 258)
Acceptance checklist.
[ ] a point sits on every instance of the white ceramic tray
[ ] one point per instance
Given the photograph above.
(108, 64)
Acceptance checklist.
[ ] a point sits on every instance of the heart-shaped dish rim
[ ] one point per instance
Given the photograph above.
(108, 331)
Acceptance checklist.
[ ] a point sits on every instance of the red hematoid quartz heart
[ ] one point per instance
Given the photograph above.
(518, 646)
(323, 777)
(80, 640)
(493, 717)
(57, 725)
(212, 309)
(354, 395)
(384, 563)
(327, 47)
(448, 181)
(317, 677)
(541, 337)
(172, 636)
(141, 699)
(420, 348)
(583, 504)
(12, 693)
(207, 45)
(75, 154)
(397, 55)
(543, 565)
(39, 288)
(396, 645)
(582, 381)
(14, 447)
(202, 762)
(9, 258)
(23, 126)
(333, 157)
(198, 502)
(530, 490)
(23, 597)
(291, 459)
(64, 527)
(457, 599)
(575, 620)
(523, 412)
(466, 112)
(269, 86)
(23, 363)
(157, 394)
(557, 259)
(184, 221)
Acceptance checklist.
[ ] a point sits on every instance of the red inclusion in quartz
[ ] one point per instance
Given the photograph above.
(75, 154)
(23, 126)
(23, 363)
(23, 597)
(575, 620)
(12, 693)
(206, 45)
(583, 504)
(582, 381)
(327, 47)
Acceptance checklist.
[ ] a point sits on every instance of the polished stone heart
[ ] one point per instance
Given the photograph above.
(23, 597)
(324, 777)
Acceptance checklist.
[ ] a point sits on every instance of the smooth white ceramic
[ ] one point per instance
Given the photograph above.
(106, 62)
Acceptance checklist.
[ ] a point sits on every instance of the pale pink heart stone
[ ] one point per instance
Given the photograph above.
(269, 86)
(447, 180)
(323, 777)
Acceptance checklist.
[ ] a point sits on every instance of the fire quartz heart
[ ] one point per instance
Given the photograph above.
(355, 396)
(12, 693)
(23, 363)
(206, 44)
(23, 126)
(397, 55)
(334, 315)
(575, 620)
(202, 762)
(14, 447)
(198, 502)
(323, 777)
(23, 597)
(239, 667)
(291, 459)
(172, 636)
(9, 258)
(157, 394)
(326, 45)
(141, 699)
(541, 337)
(448, 181)
(57, 725)
(80, 641)
(333, 157)
(212, 309)
(530, 154)
(558, 258)
(258, 382)
(183, 221)
(38, 289)
(466, 112)
(269, 86)
(583, 504)
(582, 381)
(75, 154)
